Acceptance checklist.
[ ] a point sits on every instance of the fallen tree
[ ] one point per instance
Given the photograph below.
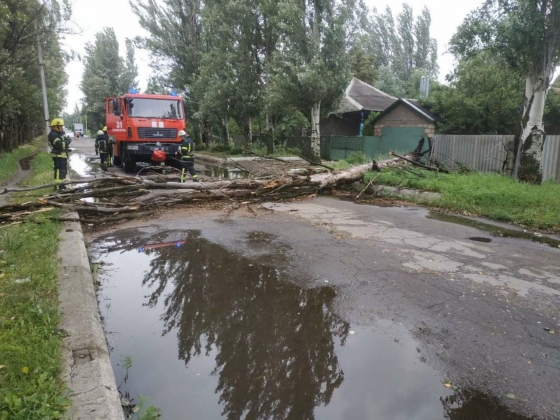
(119, 197)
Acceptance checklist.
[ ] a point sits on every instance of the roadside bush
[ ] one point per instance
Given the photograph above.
(357, 158)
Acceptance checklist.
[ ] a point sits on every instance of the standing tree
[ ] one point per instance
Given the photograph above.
(403, 51)
(105, 74)
(482, 97)
(310, 70)
(22, 25)
(175, 45)
(526, 33)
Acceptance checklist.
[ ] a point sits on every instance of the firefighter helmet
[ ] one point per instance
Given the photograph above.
(100, 133)
(105, 128)
(57, 122)
(182, 133)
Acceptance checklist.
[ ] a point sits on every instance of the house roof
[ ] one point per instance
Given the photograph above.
(359, 96)
(412, 104)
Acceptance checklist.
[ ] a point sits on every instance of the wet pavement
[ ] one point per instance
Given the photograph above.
(329, 310)
(325, 309)
(84, 163)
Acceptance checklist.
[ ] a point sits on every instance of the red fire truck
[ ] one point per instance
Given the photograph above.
(145, 128)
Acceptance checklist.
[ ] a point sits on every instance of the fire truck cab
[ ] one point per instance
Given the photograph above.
(145, 128)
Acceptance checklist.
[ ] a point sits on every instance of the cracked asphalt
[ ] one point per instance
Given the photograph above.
(484, 316)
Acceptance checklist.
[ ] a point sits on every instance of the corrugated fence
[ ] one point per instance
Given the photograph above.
(487, 153)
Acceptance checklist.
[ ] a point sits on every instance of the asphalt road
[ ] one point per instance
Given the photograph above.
(483, 315)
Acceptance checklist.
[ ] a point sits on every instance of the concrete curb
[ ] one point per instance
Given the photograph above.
(405, 192)
(87, 367)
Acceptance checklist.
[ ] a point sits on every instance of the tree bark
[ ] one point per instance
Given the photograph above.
(530, 138)
(316, 132)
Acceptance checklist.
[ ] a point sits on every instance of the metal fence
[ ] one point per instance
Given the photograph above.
(479, 152)
(487, 153)
(341, 147)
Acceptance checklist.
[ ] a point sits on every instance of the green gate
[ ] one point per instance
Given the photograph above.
(400, 140)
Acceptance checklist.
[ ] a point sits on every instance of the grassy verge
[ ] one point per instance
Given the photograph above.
(41, 173)
(490, 195)
(9, 162)
(30, 362)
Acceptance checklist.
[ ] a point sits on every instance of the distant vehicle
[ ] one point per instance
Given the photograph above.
(145, 128)
(79, 130)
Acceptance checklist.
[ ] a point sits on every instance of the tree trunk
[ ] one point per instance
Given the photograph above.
(225, 130)
(269, 136)
(250, 134)
(530, 138)
(315, 132)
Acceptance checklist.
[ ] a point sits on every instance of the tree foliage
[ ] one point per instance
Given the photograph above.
(482, 97)
(403, 50)
(526, 34)
(270, 65)
(23, 23)
(106, 74)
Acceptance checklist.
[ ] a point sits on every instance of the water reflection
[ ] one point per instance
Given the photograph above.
(275, 341)
(223, 172)
(82, 166)
(243, 341)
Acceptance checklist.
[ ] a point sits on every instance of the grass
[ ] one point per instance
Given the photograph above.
(30, 358)
(491, 195)
(9, 162)
(41, 173)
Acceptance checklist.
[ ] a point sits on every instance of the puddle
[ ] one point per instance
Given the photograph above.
(83, 166)
(215, 334)
(493, 230)
(25, 163)
(223, 172)
(479, 239)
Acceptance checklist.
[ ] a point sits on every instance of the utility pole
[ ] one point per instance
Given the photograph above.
(43, 83)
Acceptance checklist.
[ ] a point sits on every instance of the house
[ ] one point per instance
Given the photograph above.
(359, 100)
(405, 117)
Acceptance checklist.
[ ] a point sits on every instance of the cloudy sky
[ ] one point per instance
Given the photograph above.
(89, 17)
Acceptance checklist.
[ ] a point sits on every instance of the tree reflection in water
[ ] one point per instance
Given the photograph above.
(275, 341)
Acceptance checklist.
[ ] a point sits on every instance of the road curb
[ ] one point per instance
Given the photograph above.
(406, 192)
(87, 369)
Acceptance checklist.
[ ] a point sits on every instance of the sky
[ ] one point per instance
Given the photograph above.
(89, 17)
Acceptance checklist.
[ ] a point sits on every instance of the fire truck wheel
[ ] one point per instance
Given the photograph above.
(129, 165)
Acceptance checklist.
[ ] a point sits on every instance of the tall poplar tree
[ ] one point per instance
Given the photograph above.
(106, 74)
(311, 70)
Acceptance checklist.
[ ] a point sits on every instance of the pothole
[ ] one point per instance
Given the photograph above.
(480, 239)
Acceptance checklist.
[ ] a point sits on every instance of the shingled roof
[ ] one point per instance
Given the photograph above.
(415, 106)
(359, 96)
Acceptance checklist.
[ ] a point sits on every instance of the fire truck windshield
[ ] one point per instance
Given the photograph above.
(155, 108)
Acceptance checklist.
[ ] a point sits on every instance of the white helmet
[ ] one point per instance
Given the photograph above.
(100, 133)
(182, 133)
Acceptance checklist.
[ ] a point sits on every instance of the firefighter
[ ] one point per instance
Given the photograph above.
(102, 148)
(186, 153)
(111, 143)
(59, 143)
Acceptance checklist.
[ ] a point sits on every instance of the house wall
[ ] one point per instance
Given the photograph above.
(345, 125)
(403, 116)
